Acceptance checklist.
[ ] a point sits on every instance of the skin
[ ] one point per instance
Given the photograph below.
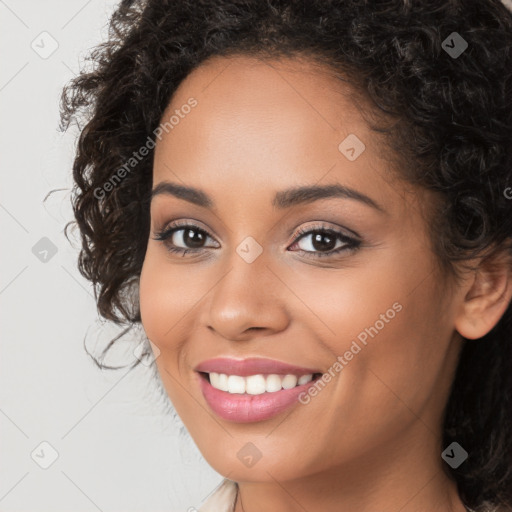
(371, 439)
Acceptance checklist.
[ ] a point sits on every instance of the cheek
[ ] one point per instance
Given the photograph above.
(383, 317)
(397, 347)
(166, 295)
(345, 303)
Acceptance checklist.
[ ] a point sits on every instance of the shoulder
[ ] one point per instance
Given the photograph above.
(222, 499)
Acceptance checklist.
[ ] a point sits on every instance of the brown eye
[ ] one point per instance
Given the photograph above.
(190, 238)
(323, 242)
(183, 238)
(319, 241)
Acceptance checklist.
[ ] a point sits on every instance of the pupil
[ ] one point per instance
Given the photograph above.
(319, 245)
(191, 241)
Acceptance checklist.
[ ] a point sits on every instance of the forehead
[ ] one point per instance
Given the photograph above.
(264, 125)
(242, 98)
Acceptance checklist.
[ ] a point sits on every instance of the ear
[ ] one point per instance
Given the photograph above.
(487, 296)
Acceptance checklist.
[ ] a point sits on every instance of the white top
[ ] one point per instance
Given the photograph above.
(223, 498)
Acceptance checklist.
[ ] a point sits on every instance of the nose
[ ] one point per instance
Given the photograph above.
(248, 301)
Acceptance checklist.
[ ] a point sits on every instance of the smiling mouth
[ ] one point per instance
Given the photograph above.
(257, 384)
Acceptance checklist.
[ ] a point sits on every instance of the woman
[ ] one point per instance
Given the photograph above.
(312, 203)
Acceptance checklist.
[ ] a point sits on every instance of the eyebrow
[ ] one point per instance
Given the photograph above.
(283, 199)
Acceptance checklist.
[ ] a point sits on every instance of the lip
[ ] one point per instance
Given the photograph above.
(252, 366)
(245, 408)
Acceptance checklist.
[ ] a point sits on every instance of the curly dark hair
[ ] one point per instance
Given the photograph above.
(452, 134)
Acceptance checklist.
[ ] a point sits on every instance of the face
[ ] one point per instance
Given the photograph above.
(335, 285)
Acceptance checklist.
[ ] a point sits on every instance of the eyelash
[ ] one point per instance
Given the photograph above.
(350, 244)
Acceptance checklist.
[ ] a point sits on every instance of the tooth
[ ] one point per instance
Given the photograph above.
(289, 381)
(273, 383)
(305, 378)
(223, 382)
(214, 379)
(236, 384)
(255, 384)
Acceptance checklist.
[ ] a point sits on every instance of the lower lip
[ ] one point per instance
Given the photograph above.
(244, 408)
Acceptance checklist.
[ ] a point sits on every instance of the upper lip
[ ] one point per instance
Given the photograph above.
(251, 366)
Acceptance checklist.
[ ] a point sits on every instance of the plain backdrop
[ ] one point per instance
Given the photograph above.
(108, 441)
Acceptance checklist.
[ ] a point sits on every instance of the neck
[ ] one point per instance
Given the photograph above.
(406, 475)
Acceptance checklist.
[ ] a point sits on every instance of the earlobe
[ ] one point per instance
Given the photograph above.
(487, 297)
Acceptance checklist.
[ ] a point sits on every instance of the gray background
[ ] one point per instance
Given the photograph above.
(118, 447)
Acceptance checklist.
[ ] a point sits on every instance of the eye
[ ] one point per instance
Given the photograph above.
(183, 237)
(324, 241)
